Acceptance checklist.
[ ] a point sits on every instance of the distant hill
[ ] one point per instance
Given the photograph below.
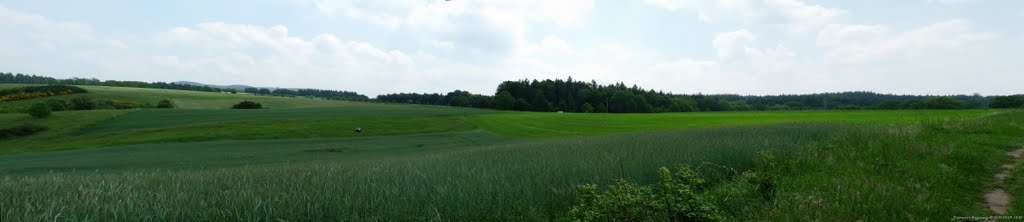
(235, 87)
(183, 85)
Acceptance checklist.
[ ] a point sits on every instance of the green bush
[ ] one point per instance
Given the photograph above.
(39, 110)
(765, 174)
(20, 130)
(587, 108)
(684, 195)
(678, 196)
(165, 104)
(83, 103)
(57, 105)
(119, 104)
(29, 92)
(247, 105)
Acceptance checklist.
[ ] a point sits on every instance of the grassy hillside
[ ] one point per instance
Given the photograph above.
(207, 118)
(181, 98)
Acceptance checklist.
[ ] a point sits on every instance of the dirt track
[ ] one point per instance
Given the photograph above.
(997, 199)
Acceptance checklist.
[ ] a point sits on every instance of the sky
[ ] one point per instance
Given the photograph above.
(752, 47)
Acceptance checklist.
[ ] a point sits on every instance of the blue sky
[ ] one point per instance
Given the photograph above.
(385, 46)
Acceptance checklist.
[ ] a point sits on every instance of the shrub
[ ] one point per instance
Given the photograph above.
(587, 108)
(83, 103)
(848, 107)
(765, 175)
(57, 105)
(683, 195)
(247, 105)
(39, 110)
(21, 130)
(165, 104)
(119, 104)
(678, 196)
(29, 92)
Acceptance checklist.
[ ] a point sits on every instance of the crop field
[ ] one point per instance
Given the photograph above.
(300, 160)
(576, 124)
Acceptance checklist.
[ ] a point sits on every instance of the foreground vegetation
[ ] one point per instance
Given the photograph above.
(397, 178)
(929, 170)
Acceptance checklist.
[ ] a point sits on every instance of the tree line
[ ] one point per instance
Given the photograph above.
(34, 79)
(320, 93)
(577, 96)
(456, 98)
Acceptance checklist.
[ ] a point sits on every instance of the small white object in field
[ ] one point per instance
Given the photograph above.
(359, 130)
(559, 111)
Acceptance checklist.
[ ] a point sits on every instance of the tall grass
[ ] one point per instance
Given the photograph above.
(548, 125)
(932, 170)
(530, 180)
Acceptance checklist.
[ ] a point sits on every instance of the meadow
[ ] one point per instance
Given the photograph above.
(300, 160)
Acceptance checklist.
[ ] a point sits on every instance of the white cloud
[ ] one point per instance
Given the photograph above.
(380, 12)
(241, 51)
(44, 33)
(551, 45)
(616, 50)
(566, 12)
(490, 27)
(944, 57)
(439, 46)
(42, 24)
(740, 66)
(436, 15)
(730, 45)
(952, 2)
(834, 34)
(941, 35)
(687, 72)
(218, 52)
(795, 14)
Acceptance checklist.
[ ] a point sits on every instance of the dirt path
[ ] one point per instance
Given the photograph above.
(997, 199)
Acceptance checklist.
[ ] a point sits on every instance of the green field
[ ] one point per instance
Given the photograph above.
(300, 160)
(525, 124)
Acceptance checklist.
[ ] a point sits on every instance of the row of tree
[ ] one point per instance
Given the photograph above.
(456, 98)
(578, 96)
(319, 93)
(34, 79)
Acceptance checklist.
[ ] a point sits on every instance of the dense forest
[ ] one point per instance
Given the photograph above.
(578, 96)
(34, 79)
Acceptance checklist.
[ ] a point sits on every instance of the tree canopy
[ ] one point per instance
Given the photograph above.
(578, 96)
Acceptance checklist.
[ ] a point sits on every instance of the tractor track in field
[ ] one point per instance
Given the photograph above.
(998, 199)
